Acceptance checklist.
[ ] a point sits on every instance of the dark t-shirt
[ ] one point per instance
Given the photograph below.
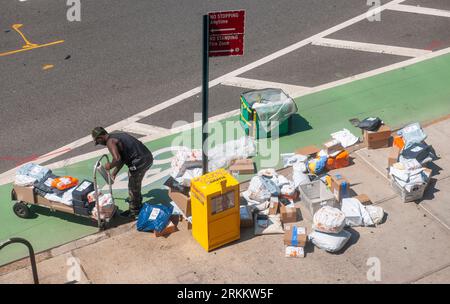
(132, 151)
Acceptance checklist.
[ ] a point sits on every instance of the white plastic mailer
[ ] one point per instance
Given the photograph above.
(330, 242)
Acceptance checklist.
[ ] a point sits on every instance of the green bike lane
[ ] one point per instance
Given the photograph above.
(418, 92)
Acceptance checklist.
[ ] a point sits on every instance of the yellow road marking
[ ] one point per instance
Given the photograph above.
(28, 45)
(47, 66)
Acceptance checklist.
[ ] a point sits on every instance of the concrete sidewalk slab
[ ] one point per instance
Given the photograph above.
(436, 200)
(52, 271)
(409, 244)
(440, 277)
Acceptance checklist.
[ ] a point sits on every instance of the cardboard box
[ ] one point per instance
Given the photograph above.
(294, 252)
(363, 199)
(24, 194)
(288, 214)
(377, 139)
(339, 186)
(393, 156)
(332, 146)
(171, 228)
(274, 206)
(246, 217)
(243, 166)
(384, 143)
(301, 236)
(308, 151)
(183, 202)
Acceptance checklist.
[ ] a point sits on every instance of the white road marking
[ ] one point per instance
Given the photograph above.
(382, 70)
(143, 129)
(420, 10)
(9, 175)
(370, 47)
(93, 154)
(261, 84)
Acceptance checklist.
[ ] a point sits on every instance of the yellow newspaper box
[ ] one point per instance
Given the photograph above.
(215, 209)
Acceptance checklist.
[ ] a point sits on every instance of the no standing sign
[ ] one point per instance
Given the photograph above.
(226, 33)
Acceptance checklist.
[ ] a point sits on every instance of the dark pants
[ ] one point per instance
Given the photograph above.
(134, 186)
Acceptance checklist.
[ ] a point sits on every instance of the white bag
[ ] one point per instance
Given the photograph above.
(330, 242)
(376, 213)
(300, 178)
(288, 190)
(270, 226)
(184, 159)
(256, 192)
(355, 213)
(188, 175)
(222, 155)
(24, 180)
(329, 220)
(292, 159)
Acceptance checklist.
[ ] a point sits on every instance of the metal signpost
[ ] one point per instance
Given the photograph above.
(223, 35)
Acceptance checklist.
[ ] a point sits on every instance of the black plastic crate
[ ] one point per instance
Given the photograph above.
(80, 204)
(82, 211)
(82, 190)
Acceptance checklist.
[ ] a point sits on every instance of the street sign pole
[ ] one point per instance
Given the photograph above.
(205, 89)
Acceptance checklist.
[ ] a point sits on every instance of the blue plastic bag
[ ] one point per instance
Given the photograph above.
(153, 217)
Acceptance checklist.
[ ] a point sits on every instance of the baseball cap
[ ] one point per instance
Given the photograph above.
(96, 132)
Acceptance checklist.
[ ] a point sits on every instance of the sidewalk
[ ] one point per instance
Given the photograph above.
(416, 93)
(412, 245)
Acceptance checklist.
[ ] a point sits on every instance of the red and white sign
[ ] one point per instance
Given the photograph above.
(226, 33)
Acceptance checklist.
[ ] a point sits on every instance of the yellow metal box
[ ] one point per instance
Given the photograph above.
(215, 209)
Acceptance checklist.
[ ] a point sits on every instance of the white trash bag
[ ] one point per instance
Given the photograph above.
(329, 220)
(184, 159)
(330, 242)
(355, 213)
(300, 178)
(376, 213)
(256, 192)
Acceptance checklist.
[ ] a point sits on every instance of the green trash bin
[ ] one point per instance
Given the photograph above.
(275, 107)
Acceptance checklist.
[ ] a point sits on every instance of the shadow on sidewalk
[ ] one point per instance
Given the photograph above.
(298, 124)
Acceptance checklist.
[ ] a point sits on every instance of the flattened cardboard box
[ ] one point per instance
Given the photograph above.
(183, 202)
(288, 214)
(243, 166)
(301, 236)
(308, 150)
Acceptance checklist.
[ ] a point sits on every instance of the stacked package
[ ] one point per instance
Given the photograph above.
(409, 177)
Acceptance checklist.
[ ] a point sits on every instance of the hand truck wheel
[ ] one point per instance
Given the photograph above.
(21, 210)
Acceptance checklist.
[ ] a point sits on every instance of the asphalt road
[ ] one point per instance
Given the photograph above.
(127, 56)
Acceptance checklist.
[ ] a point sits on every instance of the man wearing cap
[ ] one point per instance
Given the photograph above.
(126, 150)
